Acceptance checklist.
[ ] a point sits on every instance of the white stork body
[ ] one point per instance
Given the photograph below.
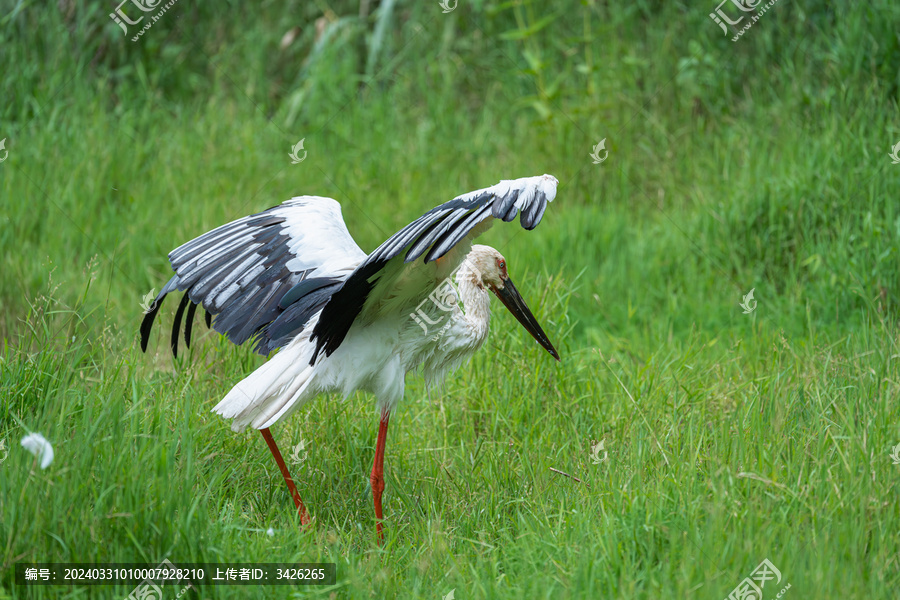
(374, 357)
(293, 279)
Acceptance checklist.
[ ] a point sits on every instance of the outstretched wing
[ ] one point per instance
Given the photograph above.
(446, 232)
(263, 275)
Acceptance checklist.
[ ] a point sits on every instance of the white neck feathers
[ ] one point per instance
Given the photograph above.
(475, 299)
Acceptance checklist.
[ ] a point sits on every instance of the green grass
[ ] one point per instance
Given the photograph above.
(729, 437)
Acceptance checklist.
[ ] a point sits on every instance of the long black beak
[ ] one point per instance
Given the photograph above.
(512, 300)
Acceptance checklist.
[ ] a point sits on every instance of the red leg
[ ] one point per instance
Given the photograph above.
(304, 516)
(377, 477)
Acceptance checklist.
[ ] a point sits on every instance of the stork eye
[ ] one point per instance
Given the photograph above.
(501, 264)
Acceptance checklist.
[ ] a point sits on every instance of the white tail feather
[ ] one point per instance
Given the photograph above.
(272, 390)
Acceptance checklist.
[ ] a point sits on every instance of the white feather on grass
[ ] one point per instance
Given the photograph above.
(40, 447)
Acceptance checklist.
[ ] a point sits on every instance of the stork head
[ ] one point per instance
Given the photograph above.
(488, 270)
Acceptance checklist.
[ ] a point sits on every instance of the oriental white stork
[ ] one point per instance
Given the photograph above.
(292, 278)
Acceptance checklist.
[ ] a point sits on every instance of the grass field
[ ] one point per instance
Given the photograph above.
(727, 437)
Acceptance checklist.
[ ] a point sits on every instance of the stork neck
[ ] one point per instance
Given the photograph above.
(476, 303)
